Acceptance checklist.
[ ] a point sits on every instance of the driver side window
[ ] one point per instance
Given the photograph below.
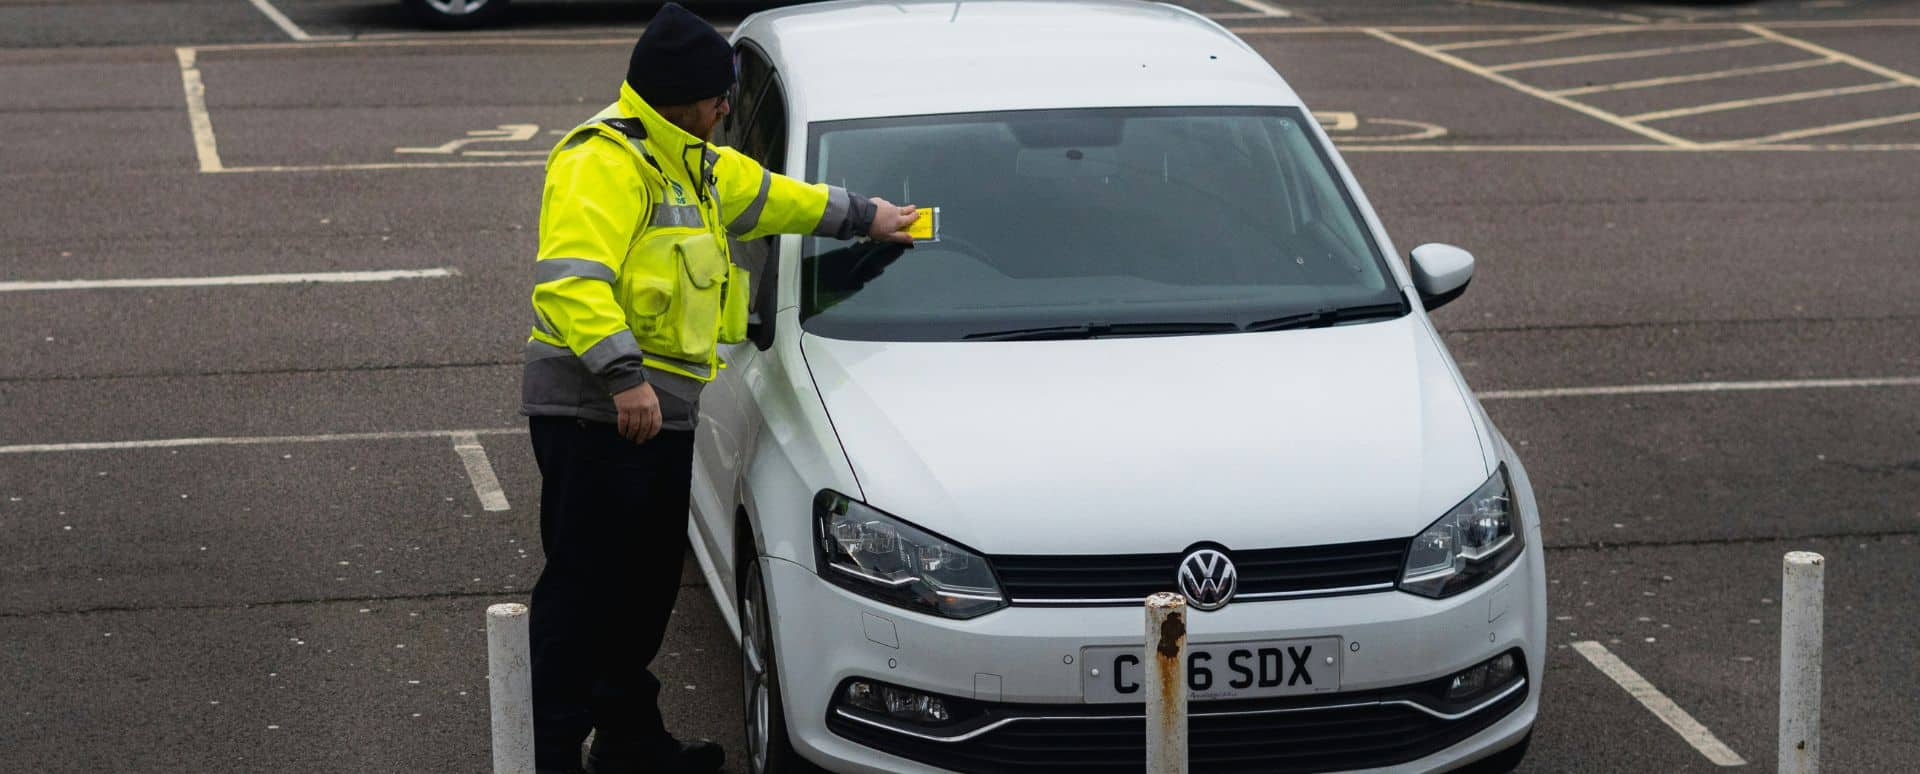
(757, 127)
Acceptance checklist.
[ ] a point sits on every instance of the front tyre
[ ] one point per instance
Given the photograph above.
(768, 749)
(458, 14)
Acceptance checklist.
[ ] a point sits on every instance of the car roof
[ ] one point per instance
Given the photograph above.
(865, 59)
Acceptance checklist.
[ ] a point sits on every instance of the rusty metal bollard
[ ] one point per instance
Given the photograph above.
(1166, 684)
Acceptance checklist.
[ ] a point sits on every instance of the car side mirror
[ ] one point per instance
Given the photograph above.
(1440, 273)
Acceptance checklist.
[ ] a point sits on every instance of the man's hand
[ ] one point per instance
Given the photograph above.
(639, 413)
(890, 222)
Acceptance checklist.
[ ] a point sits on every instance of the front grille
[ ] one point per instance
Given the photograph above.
(1270, 573)
(1287, 735)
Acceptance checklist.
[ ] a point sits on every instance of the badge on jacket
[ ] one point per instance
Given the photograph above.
(679, 194)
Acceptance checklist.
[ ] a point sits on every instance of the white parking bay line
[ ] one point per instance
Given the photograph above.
(238, 279)
(1659, 389)
(1265, 10)
(1658, 703)
(280, 19)
(485, 484)
(252, 440)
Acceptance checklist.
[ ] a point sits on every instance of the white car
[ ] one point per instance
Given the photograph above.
(1161, 343)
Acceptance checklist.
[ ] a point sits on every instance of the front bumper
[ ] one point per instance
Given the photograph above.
(1023, 659)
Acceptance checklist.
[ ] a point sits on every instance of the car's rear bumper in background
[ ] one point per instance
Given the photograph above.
(1021, 663)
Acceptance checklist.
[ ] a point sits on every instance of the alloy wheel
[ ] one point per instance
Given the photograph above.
(457, 7)
(755, 669)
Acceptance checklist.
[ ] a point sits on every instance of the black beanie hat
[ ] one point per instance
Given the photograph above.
(680, 59)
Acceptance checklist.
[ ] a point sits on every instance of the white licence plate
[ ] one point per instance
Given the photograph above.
(1230, 670)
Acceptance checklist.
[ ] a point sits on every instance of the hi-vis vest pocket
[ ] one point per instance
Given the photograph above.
(647, 296)
(733, 310)
(689, 326)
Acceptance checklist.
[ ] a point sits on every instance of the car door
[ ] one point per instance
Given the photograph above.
(728, 419)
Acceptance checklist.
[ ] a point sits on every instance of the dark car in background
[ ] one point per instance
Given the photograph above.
(458, 13)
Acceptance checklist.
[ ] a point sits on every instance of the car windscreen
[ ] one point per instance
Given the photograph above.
(1155, 220)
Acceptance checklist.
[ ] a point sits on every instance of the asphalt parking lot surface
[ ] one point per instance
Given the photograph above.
(242, 528)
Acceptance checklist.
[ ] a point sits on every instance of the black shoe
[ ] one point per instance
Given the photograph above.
(700, 757)
(560, 770)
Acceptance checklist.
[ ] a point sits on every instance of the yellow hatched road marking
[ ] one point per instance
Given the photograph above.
(1884, 72)
(1708, 76)
(1818, 131)
(1533, 91)
(1544, 8)
(1531, 39)
(1263, 9)
(1773, 100)
(1636, 54)
(197, 118)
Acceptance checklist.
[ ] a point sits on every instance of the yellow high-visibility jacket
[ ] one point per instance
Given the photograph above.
(634, 274)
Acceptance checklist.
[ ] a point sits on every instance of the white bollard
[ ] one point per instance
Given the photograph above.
(510, 688)
(1801, 625)
(1166, 658)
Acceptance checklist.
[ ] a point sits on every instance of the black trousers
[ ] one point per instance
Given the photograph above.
(613, 527)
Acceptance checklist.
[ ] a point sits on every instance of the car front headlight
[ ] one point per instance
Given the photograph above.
(871, 553)
(1475, 541)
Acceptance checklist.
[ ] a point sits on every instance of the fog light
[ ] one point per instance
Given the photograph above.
(899, 702)
(861, 694)
(933, 710)
(1468, 683)
(904, 706)
(902, 703)
(1500, 669)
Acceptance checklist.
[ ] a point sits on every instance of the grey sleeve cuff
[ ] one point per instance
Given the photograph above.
(848, 214)
(624, 374)
(616, 360)
(860, 212)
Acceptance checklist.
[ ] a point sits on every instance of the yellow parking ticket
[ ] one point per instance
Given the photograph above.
(926, 228)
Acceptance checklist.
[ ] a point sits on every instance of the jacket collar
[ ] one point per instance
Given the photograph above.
(663, 135)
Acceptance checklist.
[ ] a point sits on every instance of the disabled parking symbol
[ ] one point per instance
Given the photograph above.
(504, 133)
(1349, 127)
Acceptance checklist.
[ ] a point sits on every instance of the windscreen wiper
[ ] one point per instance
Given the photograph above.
(1324, 317)
(1102, 330)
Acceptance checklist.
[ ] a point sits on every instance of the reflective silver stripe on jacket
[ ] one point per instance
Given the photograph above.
(550, 269)
(561, 386)
(701, 370)
(750, 216)
(675, 215)
(617, 345)
(540, 350)
(836, 214)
